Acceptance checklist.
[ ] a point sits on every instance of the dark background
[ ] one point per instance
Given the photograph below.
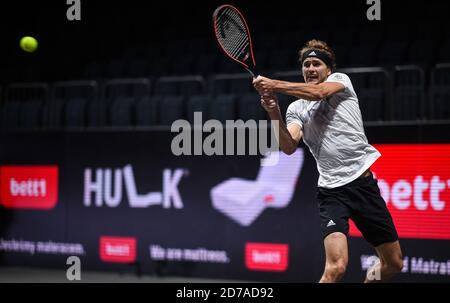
(151, 30)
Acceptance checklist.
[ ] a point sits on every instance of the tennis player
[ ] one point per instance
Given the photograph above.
(328, 119)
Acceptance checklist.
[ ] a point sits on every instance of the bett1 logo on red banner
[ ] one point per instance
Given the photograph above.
(414, 180)
(266, 256)
(29, 187)
(118, 249)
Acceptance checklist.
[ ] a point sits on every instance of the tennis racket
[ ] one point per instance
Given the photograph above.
(233, 36)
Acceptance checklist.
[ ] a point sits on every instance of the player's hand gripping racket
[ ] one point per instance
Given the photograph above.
(233, 36)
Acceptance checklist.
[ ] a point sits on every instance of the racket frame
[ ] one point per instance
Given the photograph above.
(250, 69)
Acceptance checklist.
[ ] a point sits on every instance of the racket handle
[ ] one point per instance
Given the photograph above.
(253, 72)
(255, 75)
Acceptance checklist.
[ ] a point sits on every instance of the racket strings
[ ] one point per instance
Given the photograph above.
(232, 33)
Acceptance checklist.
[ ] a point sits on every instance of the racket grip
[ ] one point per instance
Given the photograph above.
(253, 72)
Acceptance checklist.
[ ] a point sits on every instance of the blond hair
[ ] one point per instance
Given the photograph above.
(320, 45)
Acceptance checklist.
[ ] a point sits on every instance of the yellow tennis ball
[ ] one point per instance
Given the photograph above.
(28, 44)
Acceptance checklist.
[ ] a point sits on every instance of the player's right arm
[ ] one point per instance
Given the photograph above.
(288, 137)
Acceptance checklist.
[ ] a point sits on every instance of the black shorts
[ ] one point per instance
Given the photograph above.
(360, 201)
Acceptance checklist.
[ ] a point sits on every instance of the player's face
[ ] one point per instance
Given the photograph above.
(315, 71)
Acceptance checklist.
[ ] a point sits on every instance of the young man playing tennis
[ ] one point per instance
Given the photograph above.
(328, 118)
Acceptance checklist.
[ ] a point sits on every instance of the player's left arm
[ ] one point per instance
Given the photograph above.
(311, 92)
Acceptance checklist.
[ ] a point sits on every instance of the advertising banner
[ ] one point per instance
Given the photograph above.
(121, 201)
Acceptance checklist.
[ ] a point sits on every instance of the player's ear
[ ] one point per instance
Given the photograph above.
(328, 71)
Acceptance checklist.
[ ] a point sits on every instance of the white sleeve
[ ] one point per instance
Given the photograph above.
(293, 114)
(340, 78)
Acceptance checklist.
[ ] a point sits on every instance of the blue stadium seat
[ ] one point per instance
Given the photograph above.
(147, 110)
(408, 78)
(241, 86)
(121, 112)
(74, 112)
(249, 107)
(198, 103)
(171, 109)
(128, 88)
(10, 114)
(376, 80)
(31, 113)
(219, 86)
(409, 88)
(231, 84)
(439, 101)
(407, 103)
(70, 101)
(33, 108)
(96, 113)
(223, 108)
(189, 88)
(359, 81)
(180, 86)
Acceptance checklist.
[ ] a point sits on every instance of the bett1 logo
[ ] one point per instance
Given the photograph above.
(29, 187)
(414, 180)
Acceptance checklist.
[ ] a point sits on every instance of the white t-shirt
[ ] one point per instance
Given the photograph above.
(333, 131)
